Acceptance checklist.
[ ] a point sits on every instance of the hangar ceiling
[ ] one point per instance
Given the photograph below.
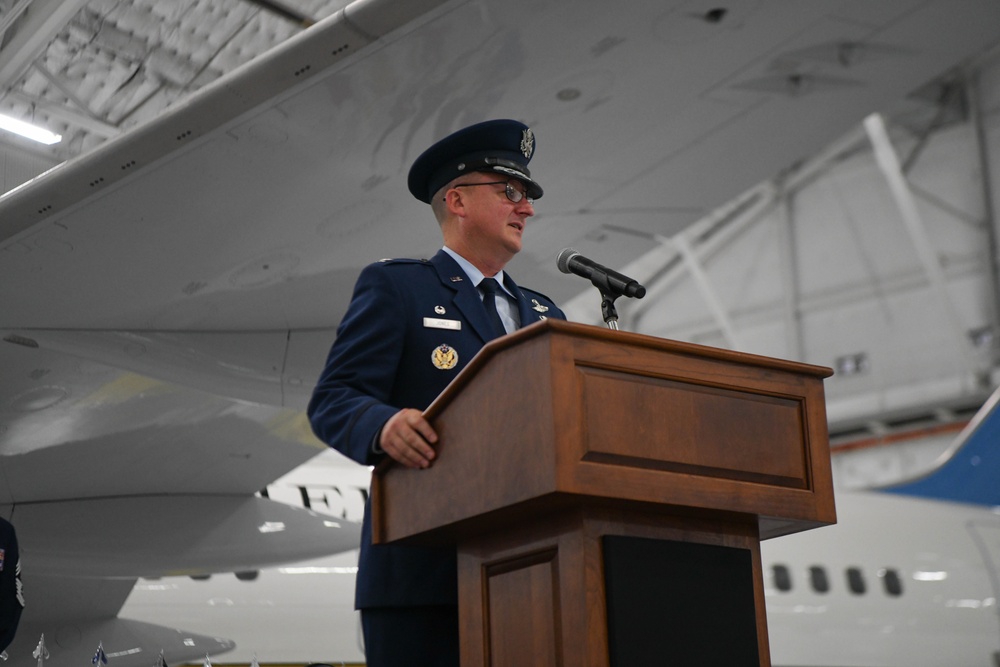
(90, 69)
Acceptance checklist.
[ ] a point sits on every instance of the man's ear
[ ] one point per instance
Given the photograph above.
(455, 201)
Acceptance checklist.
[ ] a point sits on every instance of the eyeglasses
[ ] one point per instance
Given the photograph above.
(512, 192)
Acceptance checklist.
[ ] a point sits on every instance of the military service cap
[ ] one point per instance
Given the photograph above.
(503, 147)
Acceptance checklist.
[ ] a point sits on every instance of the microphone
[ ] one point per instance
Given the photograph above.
(605, 279)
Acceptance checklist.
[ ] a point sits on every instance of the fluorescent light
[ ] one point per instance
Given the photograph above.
(28, 130)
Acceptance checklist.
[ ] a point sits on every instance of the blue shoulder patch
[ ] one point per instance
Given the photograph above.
(971, 473)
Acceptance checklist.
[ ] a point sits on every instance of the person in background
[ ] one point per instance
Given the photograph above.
(11, 591)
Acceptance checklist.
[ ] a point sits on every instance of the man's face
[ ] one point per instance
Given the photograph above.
(493, 222)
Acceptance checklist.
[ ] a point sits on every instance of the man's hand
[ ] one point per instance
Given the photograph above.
(407, 438)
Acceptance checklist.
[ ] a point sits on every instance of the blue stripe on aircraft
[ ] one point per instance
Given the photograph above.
(972, 474)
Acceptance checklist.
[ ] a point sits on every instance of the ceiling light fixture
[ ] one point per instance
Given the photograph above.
(28, 130)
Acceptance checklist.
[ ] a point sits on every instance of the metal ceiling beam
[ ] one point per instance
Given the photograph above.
(284, 11)
(788, 262)
(66, 115)
(64, 89)
(704, 286)
(36, 31)
(707, 236)
(15, 12)
(989, 208)
(888, 162)
(774, 310)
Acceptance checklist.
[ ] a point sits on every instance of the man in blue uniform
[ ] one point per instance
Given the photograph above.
(11, 595)
(412, 325)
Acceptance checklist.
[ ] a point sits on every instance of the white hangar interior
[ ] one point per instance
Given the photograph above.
(809, 181)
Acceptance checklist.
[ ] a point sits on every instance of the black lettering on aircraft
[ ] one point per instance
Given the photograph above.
(343, 502)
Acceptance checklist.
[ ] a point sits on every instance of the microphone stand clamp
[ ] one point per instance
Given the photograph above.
(608, 296)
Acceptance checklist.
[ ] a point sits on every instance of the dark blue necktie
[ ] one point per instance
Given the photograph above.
(490, 289)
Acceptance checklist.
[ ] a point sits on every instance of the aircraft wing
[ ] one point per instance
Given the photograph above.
(168, 298)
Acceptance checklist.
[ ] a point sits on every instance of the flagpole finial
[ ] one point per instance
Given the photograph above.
(40, 651)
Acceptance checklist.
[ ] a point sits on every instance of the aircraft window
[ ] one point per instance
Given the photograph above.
(890, 579)
(782, 577)
(817, 577)
(855, 581)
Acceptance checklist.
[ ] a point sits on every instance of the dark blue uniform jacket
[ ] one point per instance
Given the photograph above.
(381, 362)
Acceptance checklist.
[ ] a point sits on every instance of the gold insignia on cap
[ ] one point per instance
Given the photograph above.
(527, 143)
(539, 307)
(439, 310)
(444, 357)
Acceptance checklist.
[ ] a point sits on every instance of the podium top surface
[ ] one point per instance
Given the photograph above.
(605, 335)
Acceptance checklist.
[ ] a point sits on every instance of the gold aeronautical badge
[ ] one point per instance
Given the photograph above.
(444, 357)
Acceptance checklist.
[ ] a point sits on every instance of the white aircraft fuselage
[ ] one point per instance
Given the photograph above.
(907, 582)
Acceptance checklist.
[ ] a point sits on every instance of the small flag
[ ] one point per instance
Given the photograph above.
(208, 661)
(254, 663)
(40, 651)
(99, 655)
(161, 661)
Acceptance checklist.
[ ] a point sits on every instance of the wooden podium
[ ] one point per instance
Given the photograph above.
(607, 493)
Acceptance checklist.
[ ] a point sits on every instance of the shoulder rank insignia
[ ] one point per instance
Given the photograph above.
(539, 307)
(444, 357)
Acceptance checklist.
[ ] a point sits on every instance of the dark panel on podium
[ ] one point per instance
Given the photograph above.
(678, 603)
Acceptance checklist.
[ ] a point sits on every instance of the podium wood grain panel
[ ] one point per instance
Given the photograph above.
(688, 428)
(523, 610)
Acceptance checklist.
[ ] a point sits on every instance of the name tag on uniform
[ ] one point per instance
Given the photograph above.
(437, 323)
